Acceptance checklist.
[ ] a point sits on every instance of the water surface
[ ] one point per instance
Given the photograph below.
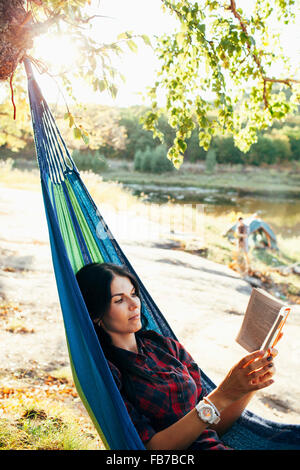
(283, 213)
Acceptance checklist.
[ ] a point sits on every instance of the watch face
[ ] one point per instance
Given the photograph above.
(206, 412)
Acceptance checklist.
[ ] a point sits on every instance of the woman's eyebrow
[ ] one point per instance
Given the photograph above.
(122, 293)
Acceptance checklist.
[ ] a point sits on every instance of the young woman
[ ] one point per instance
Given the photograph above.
(158, 379)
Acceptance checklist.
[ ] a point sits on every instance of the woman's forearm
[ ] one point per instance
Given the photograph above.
(179, 435)
(186, 430)
(231, 414)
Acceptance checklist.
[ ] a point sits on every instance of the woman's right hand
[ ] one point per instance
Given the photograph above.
(253, 372)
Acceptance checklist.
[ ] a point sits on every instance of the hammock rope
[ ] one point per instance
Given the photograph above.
(79, 235)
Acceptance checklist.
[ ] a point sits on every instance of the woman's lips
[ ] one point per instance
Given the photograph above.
(135, 317)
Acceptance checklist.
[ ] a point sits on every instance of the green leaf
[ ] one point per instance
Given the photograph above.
(113, 90)
(132, 45)
(85, 138)
(252, 40)
(146, 40)
(202, 28)
(102, 85)
(180, 38)
(182, 144)
(71, 121)
(77, 133)
(122, 36)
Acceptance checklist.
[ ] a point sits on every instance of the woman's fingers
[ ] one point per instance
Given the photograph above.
(259, 385)
(257, 360)
(272, 351)
(259, 368)
(247, 360)
(268, 368)
(251, 373)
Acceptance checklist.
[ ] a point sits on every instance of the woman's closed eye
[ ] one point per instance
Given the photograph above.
(120, 300)
(120, 297)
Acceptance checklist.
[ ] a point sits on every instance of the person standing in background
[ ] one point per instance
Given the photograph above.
(242, 233)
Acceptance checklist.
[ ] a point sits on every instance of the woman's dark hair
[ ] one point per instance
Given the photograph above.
(94, 281)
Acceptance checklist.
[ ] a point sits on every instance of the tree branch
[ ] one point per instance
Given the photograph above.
(257, 60)
(286, 81)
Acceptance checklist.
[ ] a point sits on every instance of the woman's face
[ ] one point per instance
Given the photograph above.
(124, 315)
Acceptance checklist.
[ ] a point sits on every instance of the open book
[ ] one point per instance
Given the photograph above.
(263, 321)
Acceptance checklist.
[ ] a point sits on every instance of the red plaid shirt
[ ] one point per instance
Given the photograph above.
(160, 404)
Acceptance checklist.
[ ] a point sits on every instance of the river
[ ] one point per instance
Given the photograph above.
(283, 214)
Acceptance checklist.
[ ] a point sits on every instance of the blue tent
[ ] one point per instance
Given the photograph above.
(260, 233)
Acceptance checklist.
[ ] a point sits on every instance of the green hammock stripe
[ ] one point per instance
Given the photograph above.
(85, 229)
(67, 229)
(50, 184)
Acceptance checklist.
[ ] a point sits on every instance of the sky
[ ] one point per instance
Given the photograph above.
(138, 16)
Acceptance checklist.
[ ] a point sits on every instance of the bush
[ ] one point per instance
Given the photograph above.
(295, 147)
(160, 163)
(194, 152)
(90, 161)
(261, 152)
(153, 160)
(138, 157)
(210, 161)
(269, 150)
(226, 151)
(138, 139)
(146, 160)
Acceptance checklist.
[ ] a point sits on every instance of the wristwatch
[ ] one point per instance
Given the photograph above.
(207, 412)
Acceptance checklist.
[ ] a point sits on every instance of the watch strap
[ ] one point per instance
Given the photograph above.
(214, 407)
(215, 418)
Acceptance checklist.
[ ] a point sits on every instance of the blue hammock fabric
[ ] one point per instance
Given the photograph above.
(67, 201)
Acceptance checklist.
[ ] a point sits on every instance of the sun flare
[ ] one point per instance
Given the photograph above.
(57, 52)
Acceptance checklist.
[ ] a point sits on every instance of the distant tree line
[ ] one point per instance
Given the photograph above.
(279, 144)
(119, 134)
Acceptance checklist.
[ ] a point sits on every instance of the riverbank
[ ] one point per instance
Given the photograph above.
(271, 181)
(279, 181)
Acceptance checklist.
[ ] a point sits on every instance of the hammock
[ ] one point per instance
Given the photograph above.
(79, 235)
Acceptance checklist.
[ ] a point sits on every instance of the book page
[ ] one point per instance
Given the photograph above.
(261, 314)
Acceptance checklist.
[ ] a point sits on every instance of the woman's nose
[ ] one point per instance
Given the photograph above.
(134, 303)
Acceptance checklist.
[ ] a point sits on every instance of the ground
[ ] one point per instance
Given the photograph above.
(203, 301)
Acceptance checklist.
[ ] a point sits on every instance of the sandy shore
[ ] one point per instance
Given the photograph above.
(203, 301)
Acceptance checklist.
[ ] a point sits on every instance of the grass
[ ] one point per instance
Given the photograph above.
(39, 411)
(44, 425)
